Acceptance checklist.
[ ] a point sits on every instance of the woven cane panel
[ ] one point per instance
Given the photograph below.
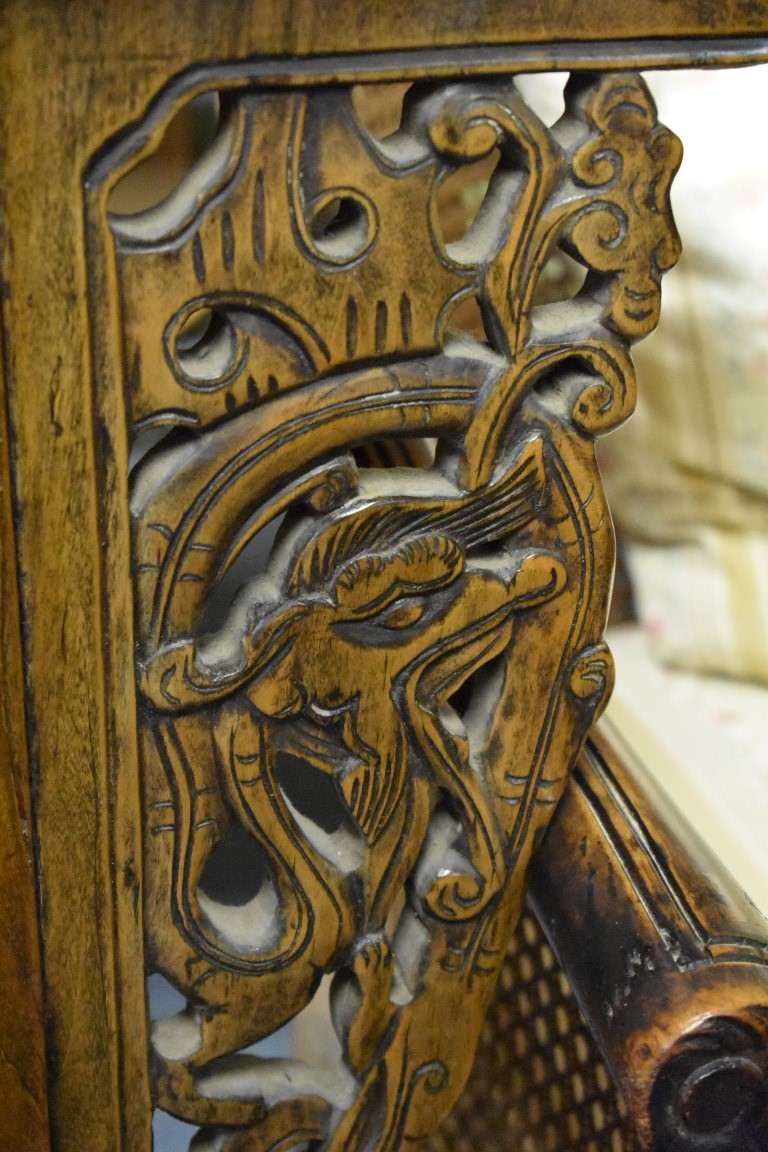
(539, 1083)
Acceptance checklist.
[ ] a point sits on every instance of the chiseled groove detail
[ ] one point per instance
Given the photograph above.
(381, 325)
(258, 219)
(351, 326)
(406, 320)
(198, 258)
(227, 241)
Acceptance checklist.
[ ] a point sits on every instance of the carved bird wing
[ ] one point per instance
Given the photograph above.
(492, 512)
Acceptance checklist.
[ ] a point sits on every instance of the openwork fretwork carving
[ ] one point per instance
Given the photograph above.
(375, 721)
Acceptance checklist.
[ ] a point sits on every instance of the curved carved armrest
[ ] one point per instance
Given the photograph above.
(666, 955)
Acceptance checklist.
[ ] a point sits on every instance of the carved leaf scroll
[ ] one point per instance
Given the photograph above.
(376, 720)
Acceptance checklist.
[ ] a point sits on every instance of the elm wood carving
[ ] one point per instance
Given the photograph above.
(380, 719)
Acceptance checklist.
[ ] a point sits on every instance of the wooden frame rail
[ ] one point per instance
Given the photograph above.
(106, 720)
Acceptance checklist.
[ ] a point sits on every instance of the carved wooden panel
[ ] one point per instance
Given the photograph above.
(363, 687)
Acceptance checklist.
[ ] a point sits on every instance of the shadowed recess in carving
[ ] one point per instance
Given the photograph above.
(244, 1076)
(342, 226)
(236, 870)
(210, 339)
(251, 562)
(205, 345)
(477, 695)
(460, 197)
(562, 278)
(466, 319)
(184, 142)
(158, 438)
(318, 805)
(236, 891)
(379, 107)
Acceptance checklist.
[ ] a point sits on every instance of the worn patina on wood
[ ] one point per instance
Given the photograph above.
(75, 82)
(377, 719)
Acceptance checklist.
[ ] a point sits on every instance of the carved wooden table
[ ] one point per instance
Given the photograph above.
(375, 724)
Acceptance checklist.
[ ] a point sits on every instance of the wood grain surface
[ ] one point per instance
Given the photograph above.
(86, 90)
(23, 1088)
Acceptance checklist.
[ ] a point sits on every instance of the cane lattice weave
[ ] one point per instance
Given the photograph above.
(538, 1082)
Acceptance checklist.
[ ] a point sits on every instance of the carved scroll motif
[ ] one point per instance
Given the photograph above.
(375, 724)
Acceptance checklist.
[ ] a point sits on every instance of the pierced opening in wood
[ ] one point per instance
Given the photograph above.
(311, 792)
(236, 869)
(379, 107)
(562, 278)
(341, 226)
(408, 452)
(316, 803)
(279, 1044)
(334, 215)
(474, 700)
(205, 344)
(446, 851)
(186, 139)
(460, 197)
(155, 438)
(466, 319)
(313, 1036)
(162, 998)
(462, 698)
(251, 561)
(303, 1058)
(543, 93)
(237, 894)
(172, 1135)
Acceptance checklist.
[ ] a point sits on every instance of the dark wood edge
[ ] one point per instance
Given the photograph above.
(664, 52)
(667, 957)
(23, 1095)
(311, 27)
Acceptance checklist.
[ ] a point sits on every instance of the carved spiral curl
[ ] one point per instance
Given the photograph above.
(338, 485)
(591, 676)
(596, 166)
(601, 225)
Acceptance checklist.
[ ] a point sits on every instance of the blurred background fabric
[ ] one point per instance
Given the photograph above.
(687, 477)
